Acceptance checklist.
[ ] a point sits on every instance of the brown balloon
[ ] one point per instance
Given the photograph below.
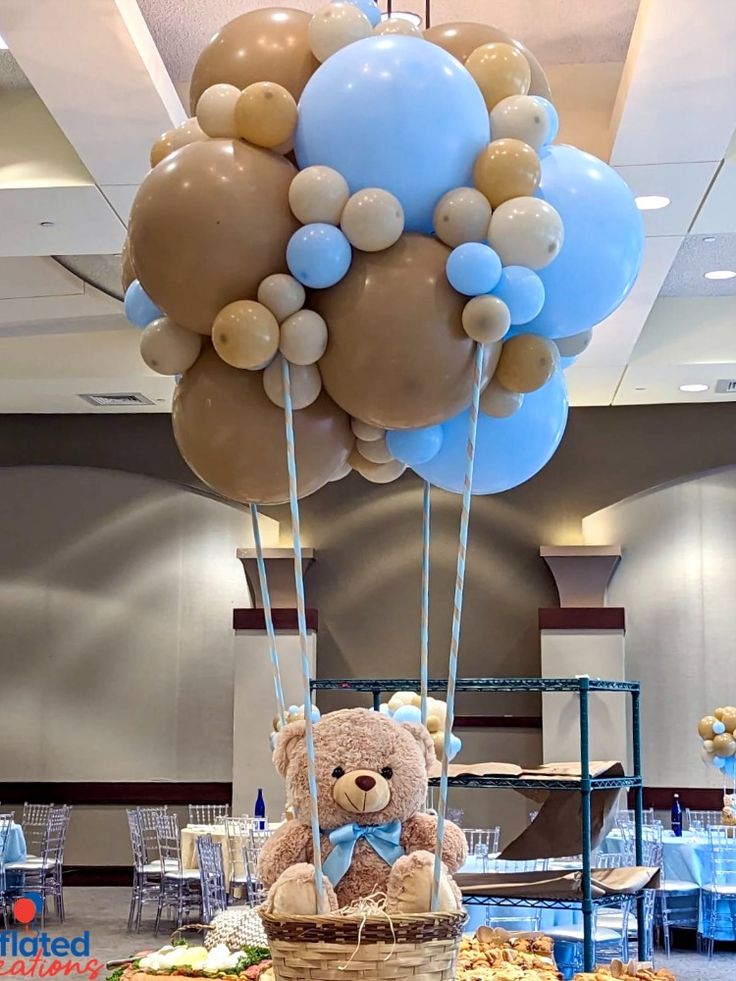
(397, 355)
(174, 139)
(127, 274)
(527, 362)
(207, 225)
(462, 38)
(232, 435)
(265, 45)
(507, 169)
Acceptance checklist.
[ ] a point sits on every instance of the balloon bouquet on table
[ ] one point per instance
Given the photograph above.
(718, 749)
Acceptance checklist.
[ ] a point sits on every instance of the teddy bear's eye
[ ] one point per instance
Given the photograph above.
(387, 772)
(338, 772)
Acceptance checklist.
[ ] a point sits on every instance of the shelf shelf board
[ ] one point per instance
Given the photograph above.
(610, 899)
(531, 783)
(475, 684)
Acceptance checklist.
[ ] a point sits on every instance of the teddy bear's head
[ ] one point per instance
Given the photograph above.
(370, 769)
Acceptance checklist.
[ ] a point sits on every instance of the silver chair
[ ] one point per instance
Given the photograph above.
(180, 888)
(238, 831)
(701, 820)
(627, 815)
(34, 820)
(208, 814)
(212, 877)
(255, 891)
(482, 842)
(148, 819)
(493, 864)
(609, 942)
(6, 823)
(44, 874)
(718, 897)
(146, 875)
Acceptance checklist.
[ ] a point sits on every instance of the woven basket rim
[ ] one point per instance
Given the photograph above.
(330, 919)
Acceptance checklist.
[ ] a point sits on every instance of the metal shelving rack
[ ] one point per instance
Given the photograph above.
(585, 784)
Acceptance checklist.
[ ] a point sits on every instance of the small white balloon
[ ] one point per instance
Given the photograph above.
(318, 194)
(397, 25)
(303, 337)
(364, 430)
(575, 344)
(282, 295)
(462, 215)
(499, 402)
(377, 473)
(306, 383)
(334, 27)
(486, 319)
(526, 231)
(216, 111)
(372, 220)
(168, 348)
(521, 117)
(374, 450)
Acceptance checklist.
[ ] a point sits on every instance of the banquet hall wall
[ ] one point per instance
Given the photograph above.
(118, 577)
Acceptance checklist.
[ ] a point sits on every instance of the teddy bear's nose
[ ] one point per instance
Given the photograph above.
(365, 783)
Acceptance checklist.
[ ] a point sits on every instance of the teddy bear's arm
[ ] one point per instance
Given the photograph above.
(420, 832)
(287, 847)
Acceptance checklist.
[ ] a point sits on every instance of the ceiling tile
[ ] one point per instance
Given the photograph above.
(697, 256)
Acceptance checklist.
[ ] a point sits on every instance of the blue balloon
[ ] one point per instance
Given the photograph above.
(408, 713)
(508, 451)
(719, 762)
(718, 728)
(318, 255)
(522, 291)
(730, 767)
(367, 7)
(413, 446)
(139, 307)
(397, 113)
(604, 240)
(473, 268)
(384, 709)
(554, 119)
(455, 746)
(567, 360)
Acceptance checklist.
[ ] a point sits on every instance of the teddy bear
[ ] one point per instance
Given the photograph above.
(375, 837)
(728, 814)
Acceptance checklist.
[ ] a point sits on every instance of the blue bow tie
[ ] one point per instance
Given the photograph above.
(384, 839)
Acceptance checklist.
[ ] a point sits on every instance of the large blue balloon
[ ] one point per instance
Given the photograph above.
(139, 307)
(397, 113)
(604, 241)
(508, 451)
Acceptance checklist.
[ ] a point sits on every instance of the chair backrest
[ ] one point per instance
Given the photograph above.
(208, 814)
(252, 845)
(147, 819)
(237, 830)
(482, 842)
(212, 877)
(6, 823)
(167, 839)
(722, 846)
(611, 860)
(701, 819)
(54, 837)
(136, 839)
(526, 865)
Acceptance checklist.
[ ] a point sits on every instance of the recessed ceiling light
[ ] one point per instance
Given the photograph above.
(699, 387)
(709, 239)
(651, 202)
(720, 274)
(3, 45)
(414, 19)
(46, 224)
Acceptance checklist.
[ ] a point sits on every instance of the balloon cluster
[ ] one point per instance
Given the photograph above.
(294, 713)
(370, 203)
(718, 733)
(405, 706)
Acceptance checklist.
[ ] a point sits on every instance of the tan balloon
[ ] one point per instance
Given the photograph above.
(303, 337)
(705, 726)
(265, 114)
(318, 194)
(374, 450)
(462, 215)
(527, 362)
(232, 435)
(521, 117)
(507, 169)
(708, 745)
(364, 431)
(372, 219)
(526, 232)
(127, 272)
(499, 402)
(377, 473)
(306, 383)
(264, 45)
(343, 471)
(462, 38)
(189, 132)
(719, 713)
(500, 70)
(168, 348)
(729, 718)
(216, 111)
(208, 225)
(486, 319)
(724, 745)
(397, 25)
(282, 294)
(246, 335)
(398, 356)
(334, 27)
(575, 344)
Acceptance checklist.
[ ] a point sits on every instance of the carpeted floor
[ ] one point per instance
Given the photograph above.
(104, 913)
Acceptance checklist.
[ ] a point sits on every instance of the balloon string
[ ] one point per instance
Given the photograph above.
(268, 615)
(424, 628)
(302, 622)
(457, 617)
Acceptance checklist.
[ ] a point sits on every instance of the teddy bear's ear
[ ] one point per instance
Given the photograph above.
(286, 743)
(424, 741)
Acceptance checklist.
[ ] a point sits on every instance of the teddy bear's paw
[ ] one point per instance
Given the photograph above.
(295, 893)
(409, 888)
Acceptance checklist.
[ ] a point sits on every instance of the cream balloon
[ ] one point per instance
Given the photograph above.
(521, 117)
(246, 335)
(366, 432)
(318, 194)
(499, 70)
(397, 25)
(266, 114)
(575, 344)
(189, 132)
(306, 383)
(499, 402)
(341, 473)
(375, 450)
(486, 319)
(168, 348)
(216, 111)
(527, 232)
(303, 337)
(334, 27)
(377, 473)
(282, 295)
(462, 215)
(372, 220)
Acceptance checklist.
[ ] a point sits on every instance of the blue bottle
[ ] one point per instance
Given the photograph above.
(259, 811)
(676, 815)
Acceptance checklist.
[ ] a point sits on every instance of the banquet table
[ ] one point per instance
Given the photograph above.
(15, 848)
(218, 832)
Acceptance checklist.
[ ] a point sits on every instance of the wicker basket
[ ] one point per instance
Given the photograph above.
(422, 947)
